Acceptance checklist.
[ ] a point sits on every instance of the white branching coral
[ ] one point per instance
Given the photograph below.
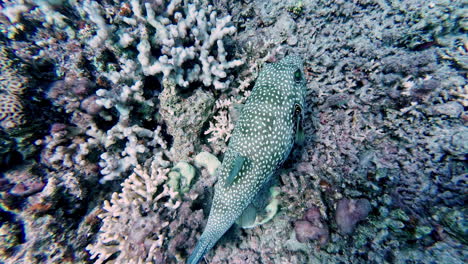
(138, 142)
(183, 44)
(132, 220)
(221, 127)
(179, 43)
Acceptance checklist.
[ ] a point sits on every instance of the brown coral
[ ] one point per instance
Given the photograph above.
(11, 81)
(11, 111)
(39, 208)
(12, 86)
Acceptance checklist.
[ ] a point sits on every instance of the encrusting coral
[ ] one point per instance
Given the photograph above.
(349, 212)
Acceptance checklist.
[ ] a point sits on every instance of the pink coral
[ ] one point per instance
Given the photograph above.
(349, 212)
(307, 231)
(68, 93)
(312, 227)
(56, 89)
(56, 127)
(27, 188)
(79, 86)
(313, 214)
(90, 106)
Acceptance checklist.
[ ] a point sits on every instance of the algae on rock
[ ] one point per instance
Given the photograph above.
(184, 117)
(181, 176)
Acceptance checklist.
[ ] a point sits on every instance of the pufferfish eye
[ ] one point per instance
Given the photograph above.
(297, 76)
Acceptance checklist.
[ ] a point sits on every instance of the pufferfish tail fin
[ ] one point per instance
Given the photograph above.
(204, 244)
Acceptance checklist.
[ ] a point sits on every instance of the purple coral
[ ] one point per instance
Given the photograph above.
(349, 212)
(312, 227)
(313, 215)
(28, 188)
(56, 89)
(57, 127)
(68, 93)
(69, 86)
(90, 106)
(79, 86)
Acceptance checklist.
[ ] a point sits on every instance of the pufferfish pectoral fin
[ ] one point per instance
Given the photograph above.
(248, 217)
(299, 116)
(236, 167)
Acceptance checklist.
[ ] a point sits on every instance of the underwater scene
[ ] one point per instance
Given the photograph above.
(217, 131)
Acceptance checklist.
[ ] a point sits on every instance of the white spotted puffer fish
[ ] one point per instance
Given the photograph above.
(269, 124)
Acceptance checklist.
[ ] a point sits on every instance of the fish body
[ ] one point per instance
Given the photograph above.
(270, 123)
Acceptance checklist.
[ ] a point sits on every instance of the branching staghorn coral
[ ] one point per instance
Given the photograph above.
(138, 220)
(182, 43)
(130, 219)
(185, 36)
(221, 127)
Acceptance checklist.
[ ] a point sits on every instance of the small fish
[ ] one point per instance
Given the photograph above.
(270, 123)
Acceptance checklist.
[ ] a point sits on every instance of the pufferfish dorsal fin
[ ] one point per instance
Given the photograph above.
(298, 115)
(236, 167)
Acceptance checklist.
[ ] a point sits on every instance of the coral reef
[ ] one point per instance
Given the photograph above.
(37, 217)
(181, 44)
(208, 161)
(10, 236)
(383, 96)
(11, 81)
(222, 125)
(102, 65)
(185, 38)
(94, 91)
